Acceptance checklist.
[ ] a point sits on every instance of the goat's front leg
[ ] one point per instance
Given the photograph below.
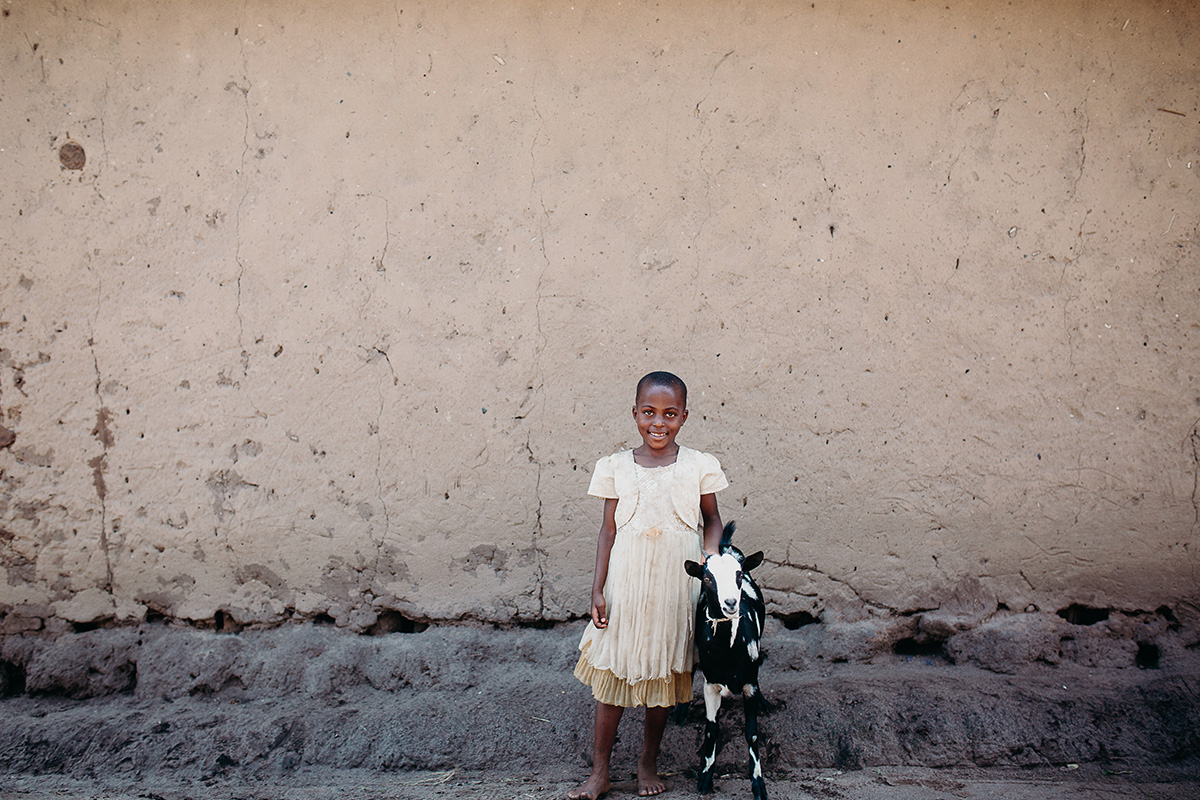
(708, 750)
(751, 703)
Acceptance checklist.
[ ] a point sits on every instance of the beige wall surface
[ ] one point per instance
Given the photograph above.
(329, 308)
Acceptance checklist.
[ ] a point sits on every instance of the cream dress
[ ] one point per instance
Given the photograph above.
(645, 655)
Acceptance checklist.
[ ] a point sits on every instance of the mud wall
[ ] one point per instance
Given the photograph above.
(326, 310)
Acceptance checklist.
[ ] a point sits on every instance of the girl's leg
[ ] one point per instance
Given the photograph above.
(648, 781)
(607, 719)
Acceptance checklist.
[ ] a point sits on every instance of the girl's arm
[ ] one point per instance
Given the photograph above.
(712, 524)
(604, 543)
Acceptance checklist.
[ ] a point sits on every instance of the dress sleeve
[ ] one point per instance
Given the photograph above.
(712, 479)
(604, 482)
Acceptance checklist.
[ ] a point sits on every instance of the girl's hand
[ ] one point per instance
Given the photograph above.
(599, 611)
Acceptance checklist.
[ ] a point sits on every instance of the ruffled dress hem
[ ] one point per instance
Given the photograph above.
(654, 693)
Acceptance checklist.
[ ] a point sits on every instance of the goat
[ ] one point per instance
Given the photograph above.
(729, 626)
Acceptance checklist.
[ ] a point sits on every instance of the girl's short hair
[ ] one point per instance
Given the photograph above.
(667, 380)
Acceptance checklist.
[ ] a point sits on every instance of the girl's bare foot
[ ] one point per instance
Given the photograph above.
(594, 788)
(649, 783)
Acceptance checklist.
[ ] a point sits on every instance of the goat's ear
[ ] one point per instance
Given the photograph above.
(752, 561)
(693, 569)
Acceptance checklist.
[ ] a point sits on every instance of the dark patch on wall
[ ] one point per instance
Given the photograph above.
(483, 555)
(224, 485)
(248, 448)
(797, 620)
(91, 625)
(72, 156)
(102, 432)
(917, 647)
(1083, 615)
(98, 464)
(225, 623)
(1147, 656)
(262, 574)
(391, 621)
(31, 457)
(19, 569)
(12, 679)
(846, 754)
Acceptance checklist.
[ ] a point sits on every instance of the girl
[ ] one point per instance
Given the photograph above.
(659, 499)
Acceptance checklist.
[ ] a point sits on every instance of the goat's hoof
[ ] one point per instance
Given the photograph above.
(759, 788)
(705, 785)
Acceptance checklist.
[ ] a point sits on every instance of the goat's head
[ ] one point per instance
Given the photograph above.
(721, 576)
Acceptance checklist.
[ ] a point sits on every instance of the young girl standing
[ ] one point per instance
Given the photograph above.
(659, 502)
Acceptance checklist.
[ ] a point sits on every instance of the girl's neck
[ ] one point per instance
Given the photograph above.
(645, 457)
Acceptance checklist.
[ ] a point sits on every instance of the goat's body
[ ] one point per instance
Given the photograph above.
(730, 655)
(728, 658)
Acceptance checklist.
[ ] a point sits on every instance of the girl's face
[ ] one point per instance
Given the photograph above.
(659, 412)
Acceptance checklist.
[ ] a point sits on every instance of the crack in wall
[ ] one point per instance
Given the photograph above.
(103, 159)
(537, 531)
(237, 219)
(956, 110)
(103, 434)
(1078, 247)
(1087, 124)
(225, 485)
(809, 568)
(711, 77)
(387, 519)
(1070, 298)
(1194, 439)
(373, 353)
(994, 100)
(99, 464)
(380, 262)
(539, 375)
(1028, 582)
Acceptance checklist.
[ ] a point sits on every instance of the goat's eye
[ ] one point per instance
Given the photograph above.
(739, 576)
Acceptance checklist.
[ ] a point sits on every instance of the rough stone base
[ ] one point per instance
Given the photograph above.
(202, 704)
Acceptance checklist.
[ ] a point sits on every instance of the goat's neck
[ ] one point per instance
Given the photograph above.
(734, 623)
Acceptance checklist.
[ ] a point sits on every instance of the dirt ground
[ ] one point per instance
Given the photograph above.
(890, 783)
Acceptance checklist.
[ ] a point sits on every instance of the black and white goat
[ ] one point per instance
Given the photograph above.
(729, 626)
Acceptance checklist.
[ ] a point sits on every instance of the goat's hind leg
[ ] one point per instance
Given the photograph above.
(751, 701)
(708, 750)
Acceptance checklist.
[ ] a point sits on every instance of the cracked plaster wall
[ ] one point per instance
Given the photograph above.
(346, 299)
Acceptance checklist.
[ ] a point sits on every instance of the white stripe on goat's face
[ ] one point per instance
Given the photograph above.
(726, 570)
